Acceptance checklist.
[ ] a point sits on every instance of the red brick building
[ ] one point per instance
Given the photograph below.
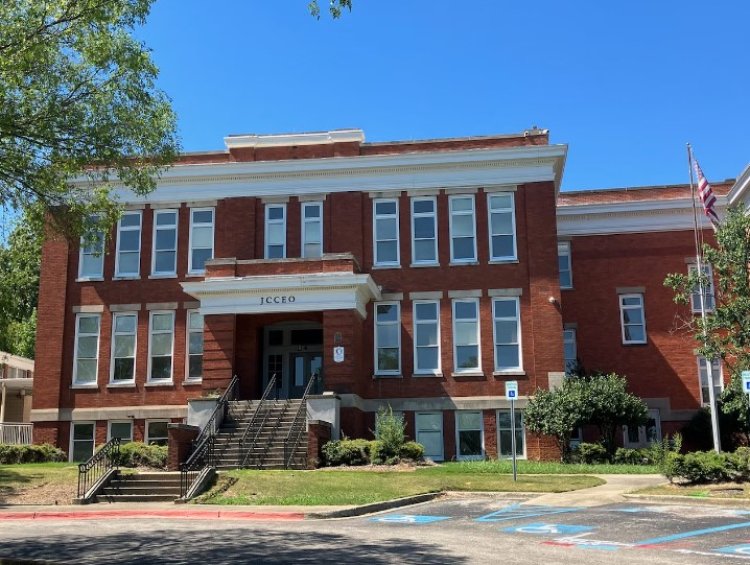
(421, 275)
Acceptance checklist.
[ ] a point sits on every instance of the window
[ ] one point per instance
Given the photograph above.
(128, 245)
(312, 229)
(164, 259)
(502, 226)
(201, 239)
(91, 259)
(643, 436)
(385, 232)
(632, 319)
(86, 349)
(429, 428)
(427, 338)
(463, 230)
(122, 430)
(161, 339)
(156, 432)
(709, 300)
(195, 345)
(505, 434)
(275, 231)
(469, 434)
(424, 231)
(82, 440)
(124, 327)
(563, 260)
(716, 376)
(570, 351)
(466, 335)
(507, 324)
(387, 339)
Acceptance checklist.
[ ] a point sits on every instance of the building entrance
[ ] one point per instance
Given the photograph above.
(293, 352)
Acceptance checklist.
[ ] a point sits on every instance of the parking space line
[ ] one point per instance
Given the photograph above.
(691, 534)
(518, 512)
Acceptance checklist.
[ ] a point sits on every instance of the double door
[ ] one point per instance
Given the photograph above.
(302, 367)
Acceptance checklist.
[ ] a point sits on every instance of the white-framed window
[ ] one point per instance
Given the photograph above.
(709, 298)
(124, 340)
(275, 231)
(506, 314)
(312, 229)
(385, 232)
(424, 246)
(570, 349)
(91, 256)
(122, 430)
(716, 374)
(429, 432)
(201, 239)
(161, 344)
(82, 440)
(643, 436)
(469, 434)
(502, 222)
(387, 338)
(156, 432)
(632, 319)
(463, 229)
(128, 256)
(505, 435)
(426, 337)
(194, 366)
(164, 256)
(466, 356)
(86, 354)
(565, 265)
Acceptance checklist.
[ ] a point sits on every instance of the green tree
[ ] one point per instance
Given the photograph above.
(78, 100)
(335, 7)
(556, 413)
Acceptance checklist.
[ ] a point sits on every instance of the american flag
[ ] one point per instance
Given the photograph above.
(706, 195)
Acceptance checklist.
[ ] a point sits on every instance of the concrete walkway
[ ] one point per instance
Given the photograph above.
(609, 493)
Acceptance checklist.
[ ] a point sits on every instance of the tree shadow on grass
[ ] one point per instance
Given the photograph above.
(228, 546)
(9, 482)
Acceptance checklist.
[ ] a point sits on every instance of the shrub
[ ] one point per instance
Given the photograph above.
(347, 452)
(590, 453)
(390, 431)
(707, 466)
(44, 453)
(412, 450)
(378, 455)
(138, 454)
(626, 456)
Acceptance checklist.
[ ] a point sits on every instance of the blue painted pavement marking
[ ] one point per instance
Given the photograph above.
(542, 528)
(742, 549)
(632, 509)
(692, 534)
(408, 519)
(516, 512)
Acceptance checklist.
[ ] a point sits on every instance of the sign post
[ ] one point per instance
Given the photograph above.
(511, 393)
(746, 384)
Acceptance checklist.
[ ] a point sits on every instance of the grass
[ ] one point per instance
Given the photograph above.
(740, 491)
(334, 487)
(38, 483)
(542, 468)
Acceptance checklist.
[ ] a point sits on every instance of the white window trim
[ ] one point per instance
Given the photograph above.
(414, 216)
(439, 369)
(512, 211)
(188, 331)
(192, 271)
(146, 438)
(109, 428)
(306, 221)
(719, 377)
(91, 277)
(654, 414)
(112, 380)
(157, 228)
(375, 217)
(120, 229)
(478, 368)
(473, 214)
(379, 372)
(574, 341)
(621, 299)
(73, 424)
(442, 430)
(521, 455)
(267, 225)
(563, 250)
(518, 330)
(460, 457)
(149, 379)
(95, 382)
(710, 291)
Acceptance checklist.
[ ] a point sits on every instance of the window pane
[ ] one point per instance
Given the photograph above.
(507, 356)
(463, 225)
(88, 324)
(161, 344)
(156, 430)
(426, 334)
(424, 206)
(124, 369)
(506, 331)
(166, 219)
(505, 308)
(312, 211)
(203, 216)
(387, 252)
(165, 261)
(162, 322)
(195, 369)
(202, 237)
(86, 370)
(124, 345)
(467, 357)
(312, 250)
(83, 432)
(426, 311)
(275, 213)
(128, 262)
(463, 248)
(196, 343)
(388, 359)
(276, 233)
(469, 420)
(462, 204)
(424, 228)
(87, 346)
(633, 316)
(502, 246)
(91, 266)
(385, 228)
(122, 430)
(424, 250)
(130, 220)
(387, 313)
(200, 256)
(129, 240)
(165, 239)
(631, 301)
(312, 232)
(470, 443)
(466, 310)
(161, 367)
(385, 208)
(466, 333)
(275, 251)
(502, 222)
(388, 335)
(501, 201)
(634, 333)
(196, 321)
(427, 358)
(125, 324)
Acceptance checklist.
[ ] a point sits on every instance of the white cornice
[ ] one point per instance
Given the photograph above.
(740, 191)
(290, 139)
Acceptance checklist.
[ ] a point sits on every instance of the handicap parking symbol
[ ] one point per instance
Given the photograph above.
(516, 512)
(742, 549)
(539, 528)
(408, 519)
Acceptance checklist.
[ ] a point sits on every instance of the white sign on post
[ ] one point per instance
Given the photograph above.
(511, 390)
(746, 382)
(511, 394)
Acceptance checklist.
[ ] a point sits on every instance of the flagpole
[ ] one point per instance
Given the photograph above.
(701, 293)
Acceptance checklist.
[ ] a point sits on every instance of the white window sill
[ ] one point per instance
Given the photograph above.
(128, 384)
(566, 288)
(89, 279)
(508, 261)
(154, 384)
(509, 373)
(427, 375)
(93, 386)
(387, 376)
(635, 342)
(462, 263)
(164, 276)
(126, 278)
(192, 382)
(468, 374)
(195, 275)
(384, 267)
(423, 265)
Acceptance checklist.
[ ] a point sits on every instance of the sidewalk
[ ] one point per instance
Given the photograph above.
(609, 493)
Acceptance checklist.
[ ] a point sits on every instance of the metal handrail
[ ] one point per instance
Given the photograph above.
(261, 405)
(107, 458)
(296, 427)
(214, 422)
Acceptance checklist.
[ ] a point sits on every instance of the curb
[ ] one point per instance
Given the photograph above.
(176, 514)
(374, 507)
(717, 501)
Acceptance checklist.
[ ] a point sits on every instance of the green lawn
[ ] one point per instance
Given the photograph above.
(38, 483)
(542, 468)
(740, 491)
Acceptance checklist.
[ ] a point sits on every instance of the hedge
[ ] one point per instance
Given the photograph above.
(44, 453)
(708, 466)
(355, 452)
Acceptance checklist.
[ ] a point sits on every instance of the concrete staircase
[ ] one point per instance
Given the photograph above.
(141, 487)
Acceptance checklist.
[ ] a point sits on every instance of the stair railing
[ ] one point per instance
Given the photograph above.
(291, 443)
(220, 412)
(93, 470)
(264, 408)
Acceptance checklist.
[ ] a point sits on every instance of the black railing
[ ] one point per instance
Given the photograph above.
(90, 472)
(256, 421)
(219, 413)
(291, 443)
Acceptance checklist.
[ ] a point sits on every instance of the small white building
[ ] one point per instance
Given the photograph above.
(16, 380)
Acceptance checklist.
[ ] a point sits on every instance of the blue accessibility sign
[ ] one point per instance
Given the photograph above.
(517, 512)
(540, 528)
(408, 519)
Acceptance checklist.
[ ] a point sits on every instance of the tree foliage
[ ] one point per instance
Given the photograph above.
(78, 99)
(556, 413)
(335, 8)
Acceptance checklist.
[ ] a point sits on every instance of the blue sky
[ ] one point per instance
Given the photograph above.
(625, 84)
